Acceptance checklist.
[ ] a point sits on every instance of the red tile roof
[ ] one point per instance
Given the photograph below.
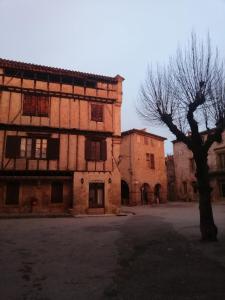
(143, 132)
(5, 63)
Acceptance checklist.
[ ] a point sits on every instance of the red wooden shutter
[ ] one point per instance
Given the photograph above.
(29, 104)
(12, 147)
(43, 106)
(88, 149)
(53, 149)
(103, 150)
(97, 112)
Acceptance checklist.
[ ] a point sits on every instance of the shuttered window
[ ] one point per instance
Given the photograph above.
(152, 161)
(32, 148)
(53, 149)
(12, 147)
(35, 105)
(95, 149)
(97, 112)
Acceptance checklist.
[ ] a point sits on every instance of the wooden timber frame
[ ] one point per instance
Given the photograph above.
(71, 96)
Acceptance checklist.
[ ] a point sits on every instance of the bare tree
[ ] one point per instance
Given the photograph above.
(188, 96)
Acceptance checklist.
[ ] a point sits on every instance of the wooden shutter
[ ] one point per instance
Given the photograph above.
(97, 112)
(103, 150)
(29, 104)
(53, 149)
(12, 147)
(43, 106)
(88, 149)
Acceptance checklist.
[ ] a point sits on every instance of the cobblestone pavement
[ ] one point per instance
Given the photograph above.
(153, 253)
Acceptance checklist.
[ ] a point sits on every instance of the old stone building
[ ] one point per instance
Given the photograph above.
(142, 167)
(186, 186)
(59, 140)
(171, 179)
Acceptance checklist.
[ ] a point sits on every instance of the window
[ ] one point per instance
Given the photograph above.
(12, 193)
(35, 105)
(138, 139)
(32, 147)
(97, 112)
(221, 160)
(26, 147)
(95, 149)
(57, 192)
(96, 195)
(40, 148)
(152, 161)
(145, 140)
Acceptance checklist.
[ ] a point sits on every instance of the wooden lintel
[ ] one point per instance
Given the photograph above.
(56, 94)
(48, 129)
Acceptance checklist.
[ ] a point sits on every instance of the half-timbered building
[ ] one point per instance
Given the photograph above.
(59, 140)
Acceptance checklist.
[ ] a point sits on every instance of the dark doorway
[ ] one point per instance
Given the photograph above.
(157, 193)
(96, 195)
(12, 193)
(145, 193)
(125, 193)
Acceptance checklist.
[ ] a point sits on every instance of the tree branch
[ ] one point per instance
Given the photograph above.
(167, 119)
(199, 100)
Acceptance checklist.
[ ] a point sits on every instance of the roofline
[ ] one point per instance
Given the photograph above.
(202, 133)
(5, 63)
(144, 133)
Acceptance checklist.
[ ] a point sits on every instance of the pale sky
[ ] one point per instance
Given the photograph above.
(108, 37)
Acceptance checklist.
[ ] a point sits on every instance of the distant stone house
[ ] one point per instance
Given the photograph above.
(142, 167)
(186, 185)
(59, 140)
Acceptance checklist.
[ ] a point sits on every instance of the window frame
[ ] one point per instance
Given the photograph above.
(152, 161)
(97, 112)
(34, 108)
(91, 149)
(16, 147)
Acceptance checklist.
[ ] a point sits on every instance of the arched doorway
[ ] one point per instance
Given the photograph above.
(157, 193)
(145, 193)
(125, 193)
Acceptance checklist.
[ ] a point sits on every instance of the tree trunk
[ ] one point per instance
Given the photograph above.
(207, 226)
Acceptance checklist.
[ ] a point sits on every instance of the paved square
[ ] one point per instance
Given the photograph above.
(153, 253)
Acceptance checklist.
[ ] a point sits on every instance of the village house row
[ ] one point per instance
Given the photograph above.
(61, 147)
(182, 184)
